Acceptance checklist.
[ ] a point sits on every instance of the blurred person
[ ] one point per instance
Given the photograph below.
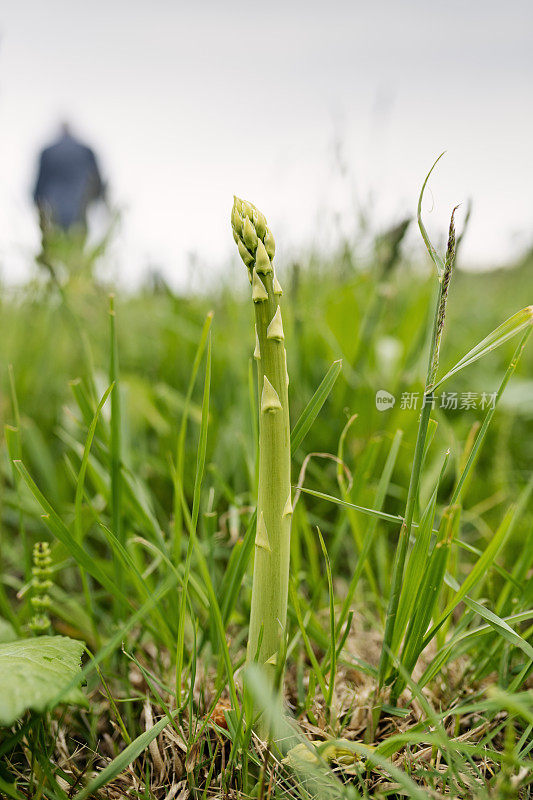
(68, 181)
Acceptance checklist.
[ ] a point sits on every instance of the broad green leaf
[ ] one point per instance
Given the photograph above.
(33, 672)
(7, 632)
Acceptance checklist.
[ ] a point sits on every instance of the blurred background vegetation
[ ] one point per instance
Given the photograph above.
(371, 312)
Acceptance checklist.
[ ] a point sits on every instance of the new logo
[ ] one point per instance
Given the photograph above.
(384, 400)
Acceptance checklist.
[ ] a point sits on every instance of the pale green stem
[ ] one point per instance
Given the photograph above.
(274, 508)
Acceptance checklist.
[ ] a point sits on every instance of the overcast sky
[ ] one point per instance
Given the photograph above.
(188, 103)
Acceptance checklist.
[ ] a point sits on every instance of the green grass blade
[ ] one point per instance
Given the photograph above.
(60, 530)
(372, 756)
(437, 260)
(486, 559)
(488, 418)
(143, 588)
(13, 445)
(125, 758)
(180, 447)
(312, 409)
(115, 441)
(13, 436)
(501, 626)
(381, 493)
(82, 400)
(14, 398)
(192, 524)
(219, 625)
(462, 641)
(179, 570)
(117, 639)
(522, 320)
(430, 588)
(415, 567)
(332, 633)
(202, 444)
(308, 647)
(238, 563)
(80, 485)
(370, 512)
(11, 790)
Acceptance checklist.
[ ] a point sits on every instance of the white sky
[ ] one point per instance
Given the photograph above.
(187, 103)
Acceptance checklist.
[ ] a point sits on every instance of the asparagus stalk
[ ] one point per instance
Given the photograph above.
(274, 506)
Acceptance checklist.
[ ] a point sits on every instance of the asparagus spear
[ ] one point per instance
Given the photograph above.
(274, 507)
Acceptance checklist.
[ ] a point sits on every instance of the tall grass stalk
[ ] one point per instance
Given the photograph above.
(115, 443)
(179, 466)
(427, 404)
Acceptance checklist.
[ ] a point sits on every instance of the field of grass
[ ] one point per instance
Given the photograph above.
(131, 448)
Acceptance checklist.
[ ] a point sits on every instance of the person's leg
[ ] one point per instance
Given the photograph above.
(44, 258)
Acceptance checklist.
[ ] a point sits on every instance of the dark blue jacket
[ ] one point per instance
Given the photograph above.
(68, 180)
